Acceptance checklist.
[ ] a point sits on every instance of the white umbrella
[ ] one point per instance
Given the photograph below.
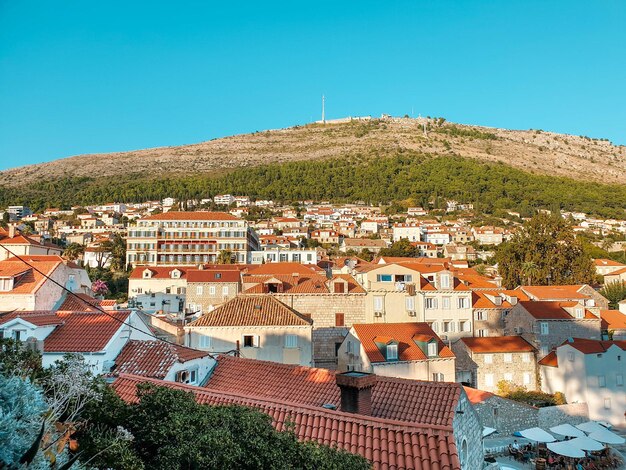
(537, 434)
(590, 426)
(566, 449)
(607, 437)
(567, 430)
(586, 443)
(488, 431)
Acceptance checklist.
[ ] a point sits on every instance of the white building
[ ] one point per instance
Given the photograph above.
(283, 255)
(412, 232)
(224, 199)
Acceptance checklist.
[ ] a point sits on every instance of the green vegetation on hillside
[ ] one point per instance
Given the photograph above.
(490, 186)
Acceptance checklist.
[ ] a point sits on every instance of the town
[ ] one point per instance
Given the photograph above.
(404, 316)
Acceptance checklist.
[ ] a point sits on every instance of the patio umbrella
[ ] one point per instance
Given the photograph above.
(586, 443)
(537, 435)
(590, 426)
(607, 437)
(567, 430)
(488, 431)
(566, 449)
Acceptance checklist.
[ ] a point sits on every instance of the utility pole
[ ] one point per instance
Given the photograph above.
(323, 109)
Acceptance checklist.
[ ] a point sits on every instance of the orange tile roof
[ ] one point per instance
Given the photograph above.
(29, 280)
(158, 272)
(37, 318)
(213, 275)
(476, 396)
(153, 358)
(285, 268)
(607, 262)
(550, 360)
(404, 333)
(554, 292)
(307, 283)
(257, 310)
(198, 215)
(388, 444)
(593, 346)
(613, 320)
(548, 310)
(84, 332)
(392, 398)
(498, 344)
(79, 303)
(616, 273)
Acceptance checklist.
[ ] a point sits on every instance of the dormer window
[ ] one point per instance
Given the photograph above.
(147, 274)
(392, 352)
(579, 313)
(218, 275)
(432, 349)
(6, 284)
(445, 281)
(175, 274)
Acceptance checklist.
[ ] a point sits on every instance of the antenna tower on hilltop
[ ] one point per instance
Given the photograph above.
(323, 109)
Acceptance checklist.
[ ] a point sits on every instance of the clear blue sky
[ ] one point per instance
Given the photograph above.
(98, 76)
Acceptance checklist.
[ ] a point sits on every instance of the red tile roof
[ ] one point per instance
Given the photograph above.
(159, 272)
(303, 283)
(213, 275)
(613, 320)
(29, 280)
(547, 310)
(254, 310)
(37, 318)
(80, 303)
(153, 358)
(550, 360)
(399, 399)
(387, 444)
(498, 344)
(84, 332)
(593, 346)
(404, 333)
(554, 292)
(199, 215)
(607, 262)
(476, 396)
(285, 268)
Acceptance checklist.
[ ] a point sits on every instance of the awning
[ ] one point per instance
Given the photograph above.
(566, 449)
(488, 431)
(606, 436)
(537, 435)
(586, 443)
(567, 430)
(590, 426)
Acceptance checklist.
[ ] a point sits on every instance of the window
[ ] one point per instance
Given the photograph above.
(526, 357)
(339, 319)
(438, 377)
(463, 302)
(570, 356)
(337, 346)
(445, 302)
(544, 328)
(225, 290)
(489, 380)
(446, 326)
(488, 359)
(508, 357)
(291, 341)
(193, 376)
(410, 304)
(544, 350)
(508, 377)
(601, 381)
(445, 281)
(431, 303)
(480, 316)
(211, 290)
(198, 290)
(619, 380)
(483, 333)
(378, 303)
(526, 378)
(349, 347)
(206, 342)
(466, 326)
(384, 278)
(250, 341)
(607, 403)
(432, 349)
(392, 352)
(579, 313)
(18, 334)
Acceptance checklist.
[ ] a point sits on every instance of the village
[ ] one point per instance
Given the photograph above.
(400, 314)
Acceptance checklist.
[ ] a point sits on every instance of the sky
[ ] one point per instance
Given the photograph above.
(90, 77)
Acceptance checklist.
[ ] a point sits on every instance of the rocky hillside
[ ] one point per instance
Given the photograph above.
(534, 151)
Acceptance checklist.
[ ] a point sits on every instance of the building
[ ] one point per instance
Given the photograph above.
(188, 238)
(15, 243)
(163, 361)
(283, 255)
(211, 286)
(158, 289)
(359, 244)
(404, 350)
(18, 212)
(37, 282)
(484, 362)
(546, 324)
(488, 235)
(257, 327)
(458, 252)
(491, 308)
(411, 232)
(99, 337)
(224, 199)
(394, 423)
(614, 323)
(607, 266)
(589, 371)
(581, 293)
(333, 303)
(326, 236)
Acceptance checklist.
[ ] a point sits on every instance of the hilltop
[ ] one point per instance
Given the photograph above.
(533, 151)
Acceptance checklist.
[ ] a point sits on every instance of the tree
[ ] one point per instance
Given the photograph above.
(73, 251)
(17, 360)
(614, 292)
(401, 248)
(225, 257)
(171, 430)
(546, 250)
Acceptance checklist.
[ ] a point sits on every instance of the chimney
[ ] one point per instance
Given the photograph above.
(11, 230)
(356, 391)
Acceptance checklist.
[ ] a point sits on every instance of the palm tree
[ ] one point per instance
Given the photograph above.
(225, 257)
(73, 251)
(529, 270)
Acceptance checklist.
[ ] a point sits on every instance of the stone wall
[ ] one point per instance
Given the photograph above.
(468, 434)
(493, 322)
(507, 416)
(199, 294)
(573, 413)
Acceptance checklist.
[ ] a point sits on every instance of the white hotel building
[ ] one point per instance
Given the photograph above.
(188, 238)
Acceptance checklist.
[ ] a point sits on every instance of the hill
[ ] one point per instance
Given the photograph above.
(535, 151)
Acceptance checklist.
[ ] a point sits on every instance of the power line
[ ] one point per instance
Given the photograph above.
(97, 307)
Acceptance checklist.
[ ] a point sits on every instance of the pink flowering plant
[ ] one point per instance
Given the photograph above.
(99, 287)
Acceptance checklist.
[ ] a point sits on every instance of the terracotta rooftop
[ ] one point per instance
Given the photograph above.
(554, 292)
(613, 320)
(550, 360)
(199, 215)
(404, 334)
(607, 262)
(431, 403)
(285, 268)
(28, 280)
(387, 444)
(547, 310)
(153, 358)
(158, 272)
(476, 396)
(358, 242)
(253, 310)
(213, 275)
(498, 344)
(37, 318)
(593, 346)
(80, 303)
